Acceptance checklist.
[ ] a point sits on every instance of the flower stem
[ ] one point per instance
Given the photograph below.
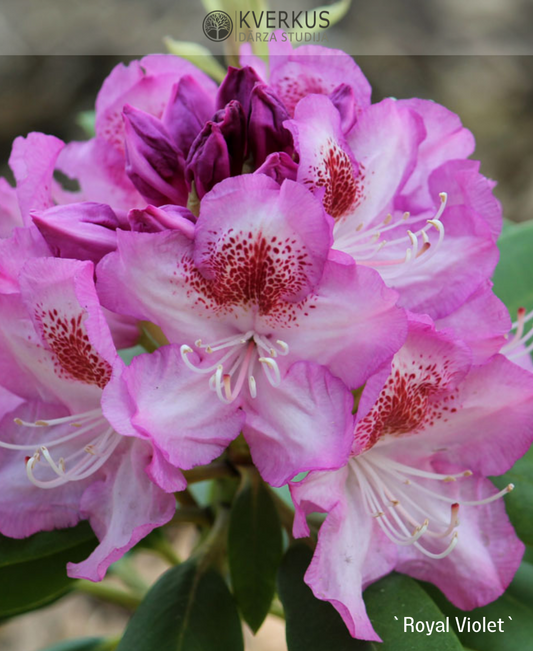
(108, 593)
(212, 471)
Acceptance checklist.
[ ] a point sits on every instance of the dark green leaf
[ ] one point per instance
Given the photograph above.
(188, 609)
(313, 625)
(399, 596)
(513, 278)
(516, 621)
(81, 644)
(521, 587)
(519, 503)
(33, 570)
(255, 549)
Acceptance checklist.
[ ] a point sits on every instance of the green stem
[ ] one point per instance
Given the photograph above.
(126, 572)
(192, 514)
(164, 549)
(214, 470)
(108, 593)
(186, 498)
(212, 549)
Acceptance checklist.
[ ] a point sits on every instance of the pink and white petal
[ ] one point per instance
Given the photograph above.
(482, 322)
(487, 424)
(464, 185)
(429, 366)
(314, 70)
(100, 171)
(464, 261)
(152, 277)
(348, 294)
(278, 239)
(145, 84)
(485, 559)
(351, 552)
(191, 426)
(25, 508)
(10, 216)
(61, 298)
(305, 423)
(446, 140)
(123, 507)
(326, 164)
(22, 245)
(32, 161)
(384, 142)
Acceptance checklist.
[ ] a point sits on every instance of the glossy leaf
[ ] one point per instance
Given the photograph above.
(519, 503)
(515, 616)
(80, 644)
(314, 625)
(33, 571)
(188, 609)
(513, 278)
(254, 548)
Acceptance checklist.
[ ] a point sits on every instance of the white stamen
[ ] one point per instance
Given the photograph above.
(394, 501)
(235, 368)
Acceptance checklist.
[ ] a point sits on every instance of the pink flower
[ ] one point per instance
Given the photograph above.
(312, 70)
(261, 321)
(404, 199)
(60, 459)
(414, 496)
(10, 216)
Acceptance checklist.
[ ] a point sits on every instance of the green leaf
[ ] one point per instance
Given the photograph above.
(513, 278)
(519, 502)
(521, 587)
(255, 549)
(197, 54)
(189, 609)
(516, 620)
(81, 644)
(397, 595)
(33, 571)
(314, 625)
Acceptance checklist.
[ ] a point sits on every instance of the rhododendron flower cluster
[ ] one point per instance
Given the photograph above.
(314, 272)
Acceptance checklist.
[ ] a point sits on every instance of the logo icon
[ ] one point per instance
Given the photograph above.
(217, 26)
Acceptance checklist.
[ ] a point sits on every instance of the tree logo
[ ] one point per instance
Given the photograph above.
(217, 26)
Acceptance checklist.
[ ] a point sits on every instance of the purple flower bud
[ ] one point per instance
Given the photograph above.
(189, 108)
(238, 84)
(219, 150)
(266, 133)
(279, 166)
(153, 162)
(84, 231)
(153, 220)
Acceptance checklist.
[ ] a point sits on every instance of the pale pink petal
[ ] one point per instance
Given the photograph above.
(33, 160)
(123, 507)
(304, 424)
(10, 216)
(190, 425)
(351, 552)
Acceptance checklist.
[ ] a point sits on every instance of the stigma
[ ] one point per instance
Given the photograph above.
(519, 344)
(235, 368)
(398, 498)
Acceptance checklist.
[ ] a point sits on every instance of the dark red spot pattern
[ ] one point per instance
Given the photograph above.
(74, 356)
(335, 173)
(292, 88)
(406, 404)
(251, 271)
